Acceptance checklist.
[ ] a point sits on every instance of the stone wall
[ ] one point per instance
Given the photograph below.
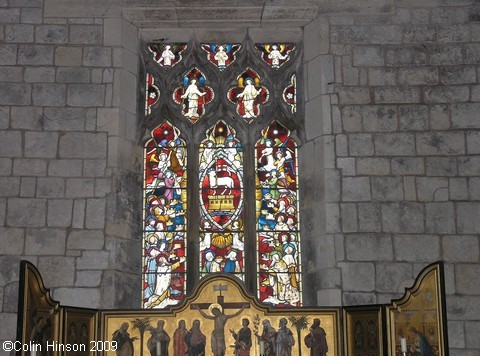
(390, 163)
(392, 124)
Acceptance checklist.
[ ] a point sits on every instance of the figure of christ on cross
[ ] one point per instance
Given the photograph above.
(219, 318)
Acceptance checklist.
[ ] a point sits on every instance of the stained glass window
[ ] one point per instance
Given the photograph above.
(164, 221)
(242, 185)
(278, 232)
(221, 202)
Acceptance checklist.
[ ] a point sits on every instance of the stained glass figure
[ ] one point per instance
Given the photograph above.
(167, 55)
(248, 95)
(290, 94)
(152, 94)
(221, 55)
(193, 94)
(278, 230)
(275, 55)
(165, 203)
(221, 202)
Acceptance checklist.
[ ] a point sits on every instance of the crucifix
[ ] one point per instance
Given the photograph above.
(219, 317)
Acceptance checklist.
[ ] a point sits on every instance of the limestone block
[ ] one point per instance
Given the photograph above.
(346, 166)
(11, 74)
(10, 297)
(460, 248)
(12, 241)
(446, 94)
(320, 75)
(8, 54)
(468, 215)
(405, 55)
(465, 274)
(360, 144)
(28, 186)
(451, 15)
(79, 188)
(41, 144)
(313, 118)
(368, 56)
(369, 217)
(85, 240)
(19, 33)
(93, 260)
(440, 143)
(35, 55)
(372, 166)
(456, 334)
(29, 167)
(39, 74)
(458, 188)
(359, 298)
(379, 117)
(404, 217)
(386, 34)
(419, 33)
(332, 214)
(453, 33)
(50, 187)
(88, 278)
(78, 220)
(68, 56)
(439, 117)
(445, 54)
(46, 241)
(5, 166)
(473, 142)
(332, 185)
(7, 332)
(369, 247)
(73, 75)
(59, 212)
(462, 307)
(396, 95)
(64, 119)
(121, 256)
(49, 94)
(354, 95)
(416, 248)
(349, 218)
(465, 115)
(97, 56)
(85, 34)
(387, 188)
(428, 187)
(349, 34)
(394, 144)
(9, 186)
(341, 145)
(392, 277)
(31, 15)
(472, 328)
(57, 271)
(316, 34)
(78, 297)
(28, 3)
(86, 95)
(356, 189)
(413, 117)
(112, 32)
(94, 168)
(417, 76)
(440, 218)
(352, 118)
(441, 166)
(15, 94)
(328, 278)
(65, 168)
(95, 214)
(10, 143)
(83, 145)
(358, 276)
(16, 215)
(9, 15)
(381, 76)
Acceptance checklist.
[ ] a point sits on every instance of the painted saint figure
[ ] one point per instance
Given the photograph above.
(159, 340)
(284, 340)
(195, 339)
(221, 57)
(316, 340)
(192, 94)
(248, 95)
(218, 333)
(167, 56)
(276, 56)
(243, 339)
(180, 347)
(124, 341)
(267, 339)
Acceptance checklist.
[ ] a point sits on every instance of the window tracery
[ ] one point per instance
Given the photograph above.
(235, 128)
